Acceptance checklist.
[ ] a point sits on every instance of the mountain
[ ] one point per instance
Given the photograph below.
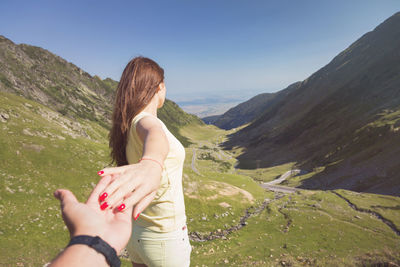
(175, 118)
(42, 150)
(344, 118)
(249, 110)
(39, 75)
(211, 119)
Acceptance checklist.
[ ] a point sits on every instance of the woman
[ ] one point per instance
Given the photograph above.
(149, 175)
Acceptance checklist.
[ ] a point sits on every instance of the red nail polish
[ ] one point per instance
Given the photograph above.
(103, 196)
(100, 172)
(137, 216)
(122, 207)
(104, 206)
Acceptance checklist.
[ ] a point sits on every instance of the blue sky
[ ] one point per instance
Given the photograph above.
(207, 48)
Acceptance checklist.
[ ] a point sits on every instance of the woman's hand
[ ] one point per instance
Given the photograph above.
(137, 184)
(88, 219)
(132, 185)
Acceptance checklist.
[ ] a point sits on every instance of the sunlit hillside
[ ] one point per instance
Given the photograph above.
(232, 221)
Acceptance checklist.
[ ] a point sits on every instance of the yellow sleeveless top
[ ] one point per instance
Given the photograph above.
(166, 212)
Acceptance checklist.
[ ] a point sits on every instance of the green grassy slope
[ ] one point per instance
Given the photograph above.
(42, 76)
(310, 228)
(39, 75)
(175, 118)
(41, 150)
(314, 228)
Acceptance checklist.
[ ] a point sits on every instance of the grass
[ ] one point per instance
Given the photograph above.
(40, 153)
(387, 206)
(203, 199)
(31, 168)
(267, 174)
(323, 230)
(386, 117)
(296, 181)
(204, 134)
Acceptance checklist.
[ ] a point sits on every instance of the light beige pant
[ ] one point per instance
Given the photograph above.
(155, 249)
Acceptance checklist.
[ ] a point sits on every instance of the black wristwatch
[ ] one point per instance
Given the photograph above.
(100, 246)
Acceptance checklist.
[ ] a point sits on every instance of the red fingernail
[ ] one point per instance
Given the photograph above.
(103, 196)
(104, 206)
(120, 208)
(100, 172)
(137, 216)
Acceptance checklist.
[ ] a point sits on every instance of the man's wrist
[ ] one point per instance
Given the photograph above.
(90, 233)
(99, 245)
(101, 234)
(82, 255)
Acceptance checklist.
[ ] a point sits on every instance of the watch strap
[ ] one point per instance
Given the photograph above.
(100, 246)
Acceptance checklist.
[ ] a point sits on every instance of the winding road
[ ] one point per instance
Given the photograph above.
(193, 161)
(272, 185)
(279, 188)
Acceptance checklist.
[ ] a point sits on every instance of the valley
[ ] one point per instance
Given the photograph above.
(340, 125)
(232, 220)
(307, 176)
(303, 227)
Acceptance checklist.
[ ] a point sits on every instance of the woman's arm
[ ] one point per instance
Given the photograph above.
(155, 142)
(137, 184)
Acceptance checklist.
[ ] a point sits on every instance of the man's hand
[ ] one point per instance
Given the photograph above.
(87, 219)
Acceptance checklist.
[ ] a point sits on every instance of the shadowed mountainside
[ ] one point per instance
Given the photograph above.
(249, 110)
(344, 118)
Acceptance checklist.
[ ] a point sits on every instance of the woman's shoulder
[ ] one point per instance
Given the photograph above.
(145, 120)
(141, 115)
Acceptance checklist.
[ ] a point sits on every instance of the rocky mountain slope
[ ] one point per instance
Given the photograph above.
(39, 75)
(344, 118)
(248, 110)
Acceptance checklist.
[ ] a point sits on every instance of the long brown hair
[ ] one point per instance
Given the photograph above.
(139, 83)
